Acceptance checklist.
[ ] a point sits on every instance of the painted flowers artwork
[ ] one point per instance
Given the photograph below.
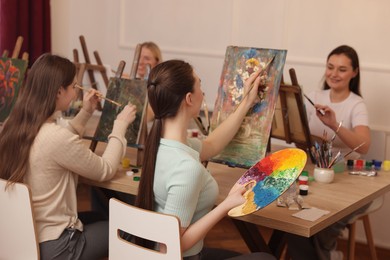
(250, 143)
(11, 79)
(268, 179)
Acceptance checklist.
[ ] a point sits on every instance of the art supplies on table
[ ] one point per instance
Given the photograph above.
(323, 154)
(268, 179)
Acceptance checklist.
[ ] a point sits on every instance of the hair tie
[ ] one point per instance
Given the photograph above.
(152, 84)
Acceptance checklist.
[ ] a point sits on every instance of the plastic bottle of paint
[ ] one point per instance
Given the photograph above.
(359, 165)
(350, 165)
(386, 165)
(378, 165)
(368, 166)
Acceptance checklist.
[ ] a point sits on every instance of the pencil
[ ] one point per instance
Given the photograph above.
(101, 96)
(311, 102)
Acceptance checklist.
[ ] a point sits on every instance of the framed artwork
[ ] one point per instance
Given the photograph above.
(12, 73)
(123, 91)
(250, 143)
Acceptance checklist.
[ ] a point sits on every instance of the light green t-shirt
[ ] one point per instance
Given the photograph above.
(182, 185)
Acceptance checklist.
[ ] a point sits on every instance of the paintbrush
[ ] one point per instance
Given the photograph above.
(354, 149)
(246, 94)
(334, 160)
(100, 95)
(311, 102)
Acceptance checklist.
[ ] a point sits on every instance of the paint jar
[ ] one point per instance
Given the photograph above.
(303, 189)
(386, 165)
(304, 173)
(368, 166)
(359, 165)
(378, 165)
(303, 180)
(125, 162)
(350, 164)
(323, 175)
(339, 167)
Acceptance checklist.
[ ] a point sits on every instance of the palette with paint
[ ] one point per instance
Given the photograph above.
(268, 179)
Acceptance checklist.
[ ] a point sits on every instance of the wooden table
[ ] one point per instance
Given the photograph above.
(343, 196)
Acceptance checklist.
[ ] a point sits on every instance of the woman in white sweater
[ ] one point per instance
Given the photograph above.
(49, 158)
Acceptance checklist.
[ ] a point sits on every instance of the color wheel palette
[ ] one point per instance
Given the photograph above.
(268, 179)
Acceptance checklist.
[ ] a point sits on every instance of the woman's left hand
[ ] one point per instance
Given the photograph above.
(90, 100)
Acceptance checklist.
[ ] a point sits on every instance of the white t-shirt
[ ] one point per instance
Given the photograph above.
(352, 111)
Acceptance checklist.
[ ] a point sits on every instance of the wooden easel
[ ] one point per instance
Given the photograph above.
(290, 120)
(118, 74)
(88, 67)
(143, 127)
(16, 51)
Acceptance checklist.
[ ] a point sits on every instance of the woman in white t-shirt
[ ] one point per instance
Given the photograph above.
(341, 101)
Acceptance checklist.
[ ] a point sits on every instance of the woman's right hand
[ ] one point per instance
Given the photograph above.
(128, 113)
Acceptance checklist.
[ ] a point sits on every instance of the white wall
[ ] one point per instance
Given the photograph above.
(199, 31)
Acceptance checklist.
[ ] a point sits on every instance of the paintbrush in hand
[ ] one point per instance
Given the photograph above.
(354, 149)
(100, 96)
(246, 94)
(311, 102)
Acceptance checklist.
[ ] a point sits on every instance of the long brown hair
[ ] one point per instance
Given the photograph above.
(168, 84)
(354, 83)
(35, 104)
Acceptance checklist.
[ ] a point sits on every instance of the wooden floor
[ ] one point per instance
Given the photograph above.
(225, 235)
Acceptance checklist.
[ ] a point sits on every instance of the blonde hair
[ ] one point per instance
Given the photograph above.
(154, 49)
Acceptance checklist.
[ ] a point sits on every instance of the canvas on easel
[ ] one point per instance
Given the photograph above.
(123, 91)
(250, 143)
(12, 71)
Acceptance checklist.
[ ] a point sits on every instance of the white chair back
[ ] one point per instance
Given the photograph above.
(18, 238)
(145, 224)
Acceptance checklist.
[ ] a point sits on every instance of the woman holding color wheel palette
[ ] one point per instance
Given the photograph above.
(173, 179)
(268, 179)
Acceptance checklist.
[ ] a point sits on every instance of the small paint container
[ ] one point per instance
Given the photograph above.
(350, 164)
(303, 189)
(305, 173)
(378, 165)
(386, 165)
(136, 178)
(125, 162)
(339, 167)
(368, 165)
(129, 173)
(359, 165)
(303, 180)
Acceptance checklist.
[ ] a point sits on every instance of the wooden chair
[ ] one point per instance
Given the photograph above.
(150, 225)
(18, 232)
(290, 120)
